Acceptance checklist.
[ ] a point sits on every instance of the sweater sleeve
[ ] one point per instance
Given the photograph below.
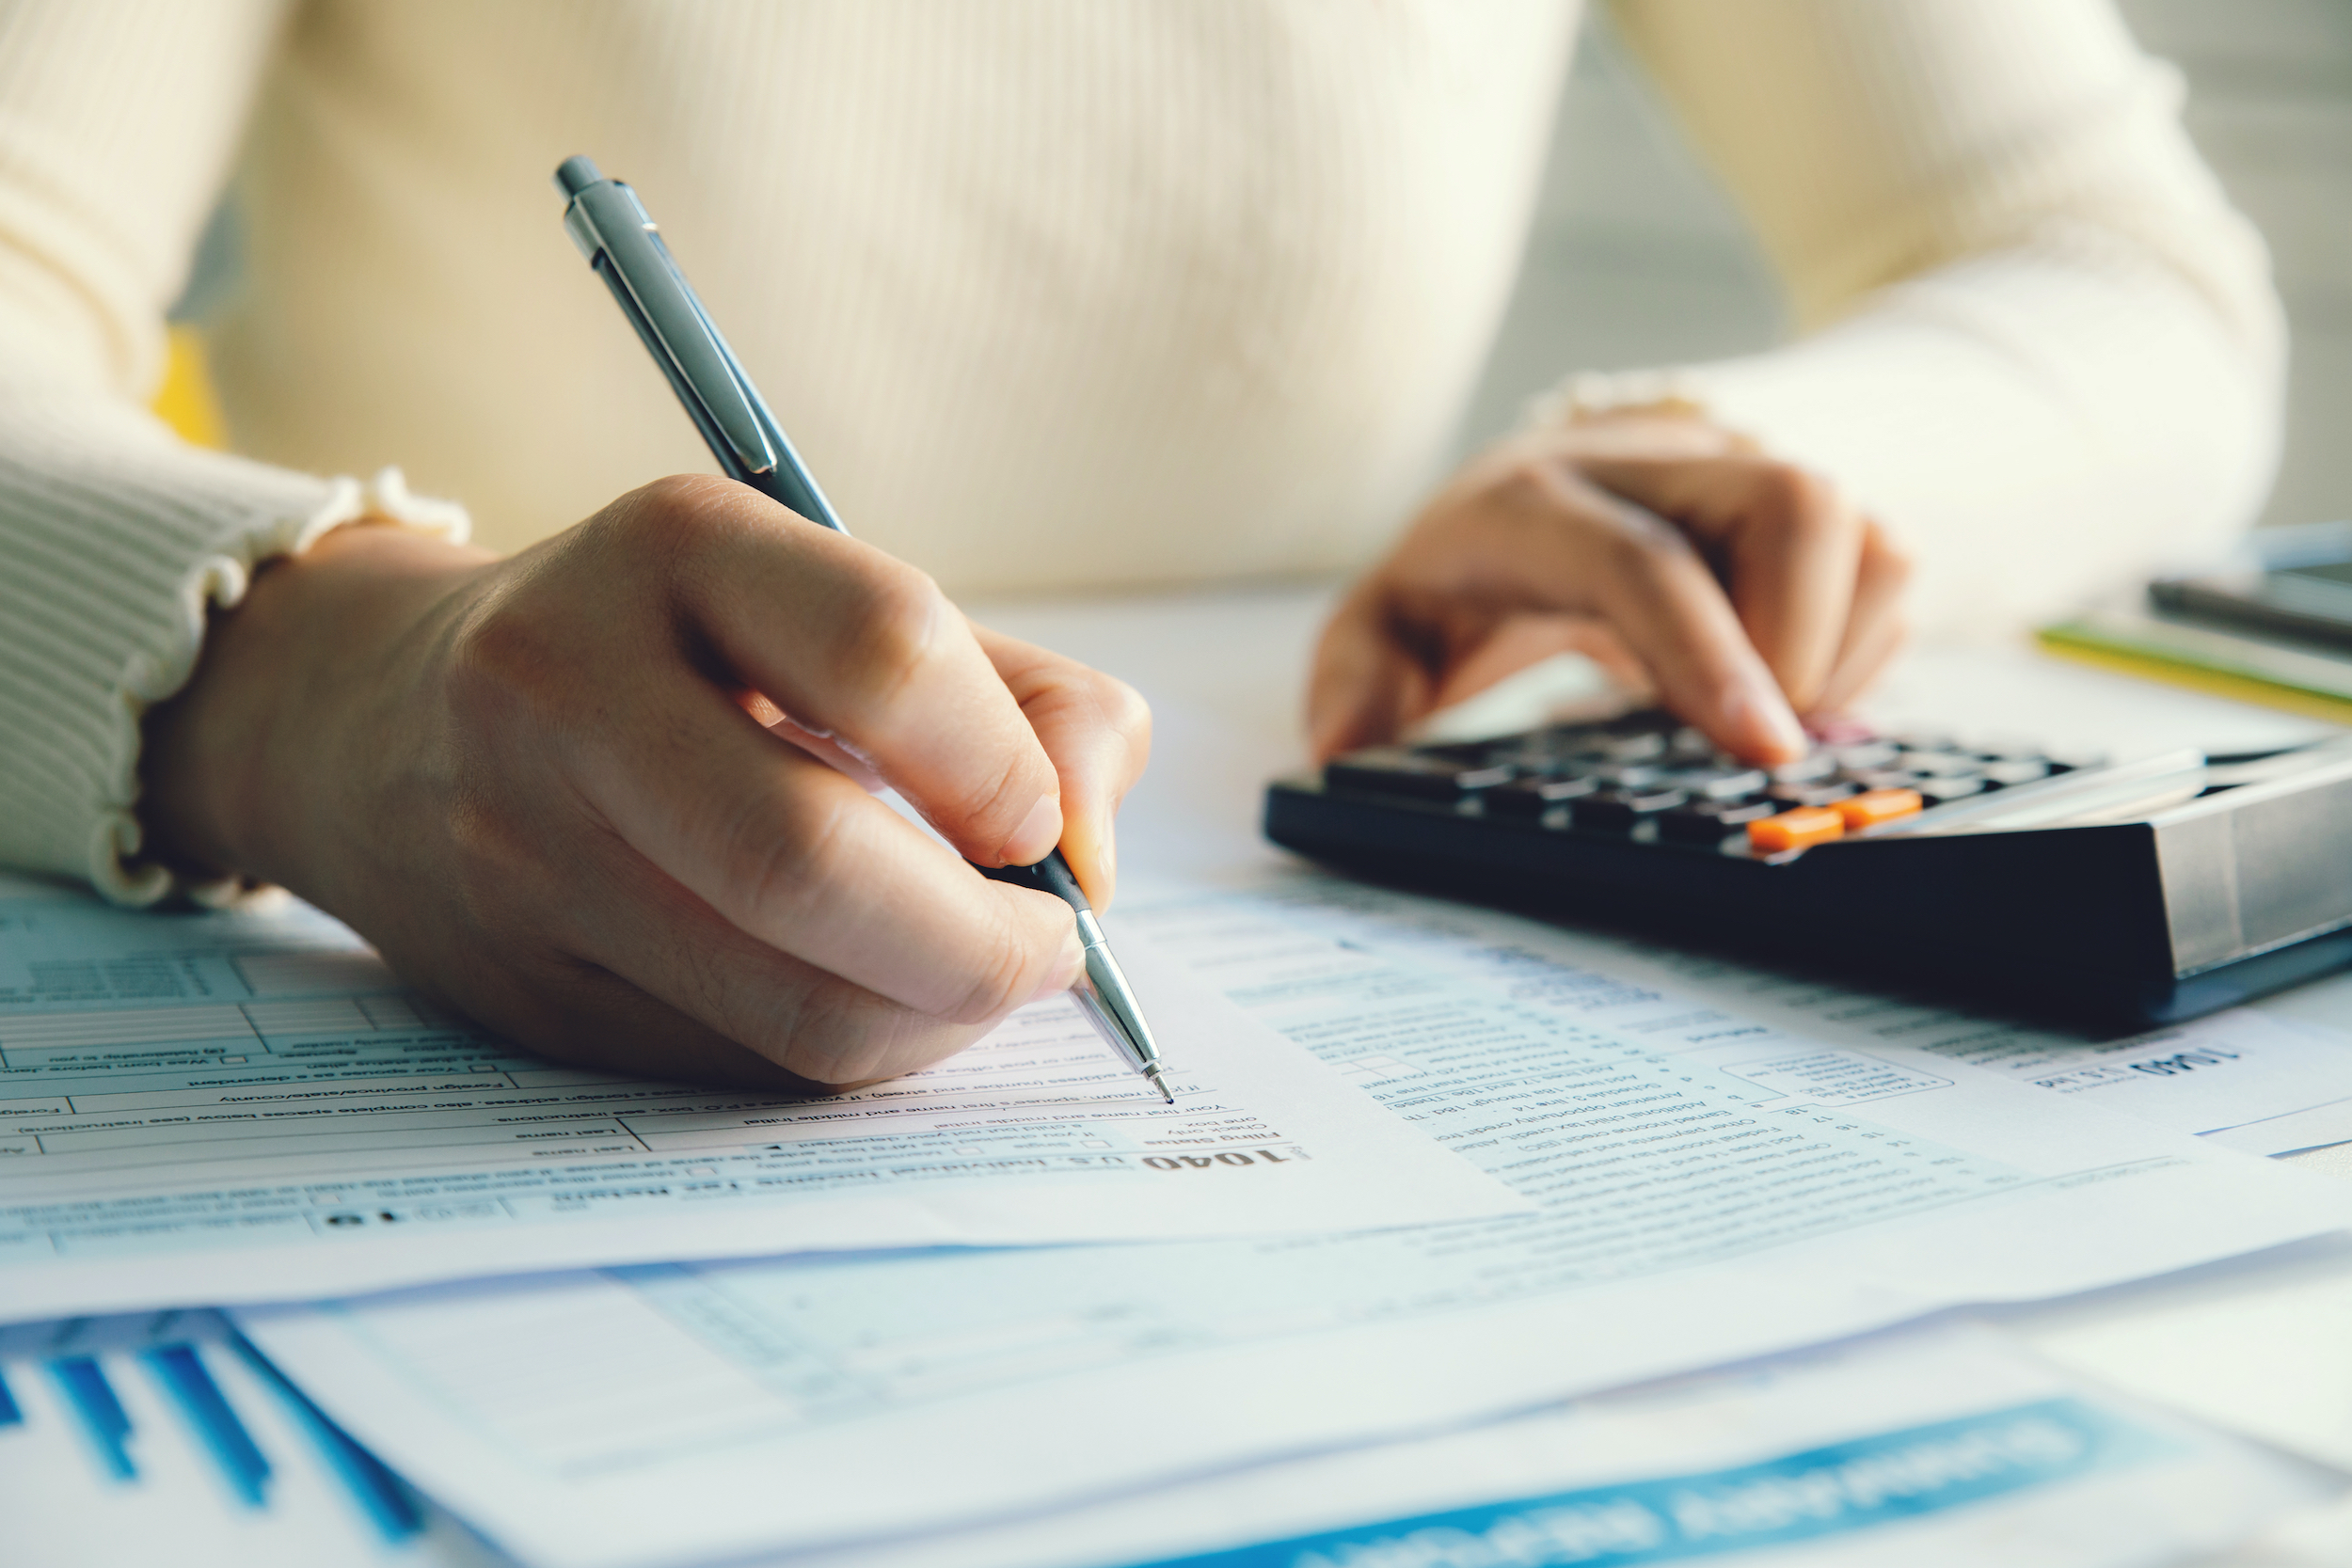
(117, 123)
(2038, 342)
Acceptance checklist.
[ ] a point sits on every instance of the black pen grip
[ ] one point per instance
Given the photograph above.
(1050, 874)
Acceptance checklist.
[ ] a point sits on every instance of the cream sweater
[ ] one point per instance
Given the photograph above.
(1054, 293)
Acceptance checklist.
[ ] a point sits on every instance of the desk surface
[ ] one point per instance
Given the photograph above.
(2262, 1347)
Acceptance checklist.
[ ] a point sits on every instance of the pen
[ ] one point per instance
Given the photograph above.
(610, 225)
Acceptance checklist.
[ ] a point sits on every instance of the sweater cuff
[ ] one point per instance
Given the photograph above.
(117, 540)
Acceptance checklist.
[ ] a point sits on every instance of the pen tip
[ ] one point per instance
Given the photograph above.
(1160, 1083)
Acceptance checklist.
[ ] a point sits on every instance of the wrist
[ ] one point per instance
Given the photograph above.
(228, 763)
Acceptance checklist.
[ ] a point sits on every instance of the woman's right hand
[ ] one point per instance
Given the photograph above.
(603, 796)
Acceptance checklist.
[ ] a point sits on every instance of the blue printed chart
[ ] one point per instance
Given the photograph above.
(167, 1437)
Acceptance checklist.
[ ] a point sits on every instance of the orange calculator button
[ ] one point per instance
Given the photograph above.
(1869, 809)
(1794, 829)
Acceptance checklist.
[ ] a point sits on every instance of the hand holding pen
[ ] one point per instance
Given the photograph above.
(622, 244)
(541, 787)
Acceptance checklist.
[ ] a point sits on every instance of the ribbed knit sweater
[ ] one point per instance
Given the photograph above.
(1053, 293)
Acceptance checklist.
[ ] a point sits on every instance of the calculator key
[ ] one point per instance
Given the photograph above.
(1632, 748)
(2068, 761)
(1805, 769)
(1795, 829)
(1532, 797)
(1393, 770)
(1869, 809)
(1719, 784)
(2001, 775)
(1469, 754)
(1709, 821)
(1549, 743)
(1937, 765)
(1936, 791)
(1628, 775)
(1875, 778)
(1875, 753)
(1808, 794)
(1617, 811)
(1925, 740)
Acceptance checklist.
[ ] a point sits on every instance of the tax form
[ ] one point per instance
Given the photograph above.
(2238, 1078)
(236, 1106)
(1712, 1188)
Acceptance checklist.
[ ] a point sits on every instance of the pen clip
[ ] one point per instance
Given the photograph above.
(610, 228)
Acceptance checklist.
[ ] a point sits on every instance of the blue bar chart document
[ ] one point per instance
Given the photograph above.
(1707, 1188)
(164, 1437)
(243, 1105)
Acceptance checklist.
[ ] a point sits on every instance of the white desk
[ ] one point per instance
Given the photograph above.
(2265, 1347)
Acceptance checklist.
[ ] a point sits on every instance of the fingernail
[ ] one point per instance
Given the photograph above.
(1039, 833)
(1066, 968)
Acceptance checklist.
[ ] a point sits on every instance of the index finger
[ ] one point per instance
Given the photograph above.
(1793, 543)
(1550, 544)
(866, 651)
(1097, 730)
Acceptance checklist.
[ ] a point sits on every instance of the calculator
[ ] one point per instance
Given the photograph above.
(2112, 894)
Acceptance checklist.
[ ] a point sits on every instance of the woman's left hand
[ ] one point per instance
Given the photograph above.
(1747, 593)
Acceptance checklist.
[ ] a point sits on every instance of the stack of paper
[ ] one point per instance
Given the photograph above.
(1431, 1171)
(1932, 1448)
(231, 1107)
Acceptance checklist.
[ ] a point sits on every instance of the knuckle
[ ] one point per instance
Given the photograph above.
(1640, 547)
(678, 501)
(505, 659)
(892, 632)
(664, 518)
(841, 1042)
(783, 859)
(1895, 563)
(1008, 976)
(1526, 487)
(1803, 503)
(995, 796)
(821, 1036)
(1124, 711)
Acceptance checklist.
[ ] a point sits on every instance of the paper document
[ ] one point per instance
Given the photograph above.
(162, 1438)
(234, 1106)
(1711, 1189)
(1934, 1449)
(2240, 1078)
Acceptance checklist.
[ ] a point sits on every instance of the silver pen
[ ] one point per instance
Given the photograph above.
(611, 228)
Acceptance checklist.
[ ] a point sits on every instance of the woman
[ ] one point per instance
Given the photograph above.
(1052, 295)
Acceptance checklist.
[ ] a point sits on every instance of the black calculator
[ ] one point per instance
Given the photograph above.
(2110, 894)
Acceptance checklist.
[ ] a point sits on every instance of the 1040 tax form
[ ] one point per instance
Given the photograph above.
(1710, 1188)
(242, 1106)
